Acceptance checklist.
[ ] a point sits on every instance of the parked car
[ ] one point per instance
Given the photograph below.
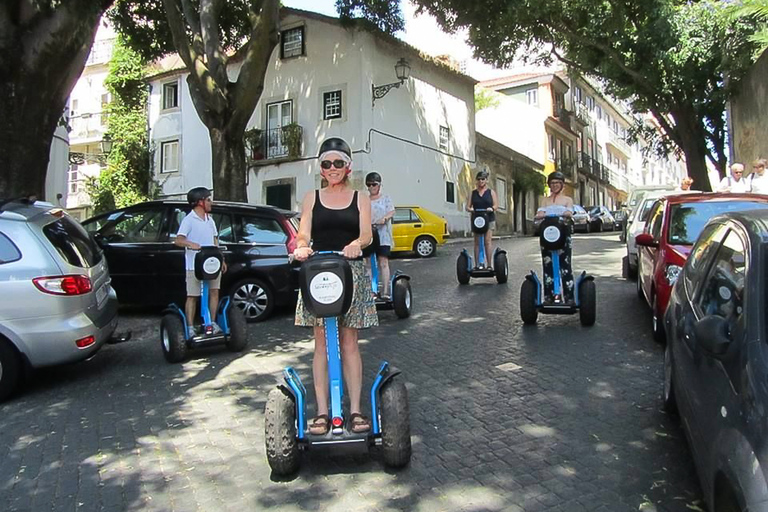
(674, 225)
(619, 217)
(600, 218)
(56, 302)
(148, 268)
(418, 230)
(636, 224)
(580, 219)
(639, 194)
(716, 360)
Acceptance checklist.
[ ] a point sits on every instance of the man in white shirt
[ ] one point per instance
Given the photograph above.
(758, 180)
(735, 182)
(198, 230)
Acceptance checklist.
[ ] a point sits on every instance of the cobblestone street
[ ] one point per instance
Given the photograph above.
(555, 417)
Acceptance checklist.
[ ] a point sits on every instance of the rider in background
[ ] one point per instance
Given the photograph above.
(382, 211)
(480, 199)
(557, 203)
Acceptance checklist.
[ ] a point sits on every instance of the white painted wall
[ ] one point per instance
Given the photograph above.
(517, 125)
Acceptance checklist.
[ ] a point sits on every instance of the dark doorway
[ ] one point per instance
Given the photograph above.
(280, 196)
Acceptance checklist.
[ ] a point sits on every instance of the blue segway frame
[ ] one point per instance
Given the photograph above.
(205, 313)
(293, 384)
(398, 274)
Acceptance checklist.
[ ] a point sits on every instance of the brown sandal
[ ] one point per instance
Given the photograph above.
(359, 423)
(320, 425)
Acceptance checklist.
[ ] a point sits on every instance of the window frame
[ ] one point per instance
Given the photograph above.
(326, 104)
(302, 52)
(502, 198)
(164, 88)
(532, 96)
(450, 192)
(163, 144)
(7, 242)
(444, 137)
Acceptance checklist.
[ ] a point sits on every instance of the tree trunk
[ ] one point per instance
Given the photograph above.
(229, 167)
(693, 142)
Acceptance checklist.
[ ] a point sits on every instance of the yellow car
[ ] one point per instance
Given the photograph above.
(419, 230)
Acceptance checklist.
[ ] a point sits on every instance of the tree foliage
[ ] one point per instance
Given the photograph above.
(43, 48)
(207, 35)
(678, 60)
(127, 178)
(753, 11)
(485, 98)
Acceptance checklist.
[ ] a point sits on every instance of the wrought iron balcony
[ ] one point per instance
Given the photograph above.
(283, 142)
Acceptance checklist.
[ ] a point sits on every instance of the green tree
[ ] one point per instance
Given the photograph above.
(676, 59)
(127, 178)
(485, 98)
(43, 48)
(205, 34)
(755, 11)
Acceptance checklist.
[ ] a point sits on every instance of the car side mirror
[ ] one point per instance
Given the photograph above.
(712, 334)
(646, 240)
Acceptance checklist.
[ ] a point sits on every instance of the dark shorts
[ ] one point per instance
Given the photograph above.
(383, 250)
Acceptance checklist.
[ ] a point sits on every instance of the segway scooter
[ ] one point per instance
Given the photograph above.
(552, 236)
(178, 339)
(326, 288)
(400, 284)
(464, 268)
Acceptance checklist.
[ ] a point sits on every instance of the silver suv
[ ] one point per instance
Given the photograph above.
(56, 302)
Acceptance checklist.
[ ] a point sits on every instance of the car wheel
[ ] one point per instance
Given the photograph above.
(670, 403)
(10, 370)
(425, 247)
(395, 425)
(283, 453)
(657, 323)
(254, 298)
(238, 332)
(402, 298)
(174, 342)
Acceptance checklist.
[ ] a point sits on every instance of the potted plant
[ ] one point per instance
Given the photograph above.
(292, 139)
(253, 142)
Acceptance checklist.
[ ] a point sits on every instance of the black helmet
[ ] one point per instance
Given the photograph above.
(197, 194)
(481, 175)
(372, 177)
(335, 144)
(557, 175)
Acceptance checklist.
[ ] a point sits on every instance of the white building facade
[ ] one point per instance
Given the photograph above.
(419, 136)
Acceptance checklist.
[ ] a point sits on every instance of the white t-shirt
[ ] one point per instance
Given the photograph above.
(729, 184)
(758, 184)
(198, 230)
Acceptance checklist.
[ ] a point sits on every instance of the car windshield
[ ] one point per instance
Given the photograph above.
(646, 210)
(578, 209)
(594, 210)
(688, 219)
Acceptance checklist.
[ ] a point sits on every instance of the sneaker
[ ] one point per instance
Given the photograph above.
(216, 328)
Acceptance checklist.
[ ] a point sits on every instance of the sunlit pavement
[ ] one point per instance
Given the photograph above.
(555, 417)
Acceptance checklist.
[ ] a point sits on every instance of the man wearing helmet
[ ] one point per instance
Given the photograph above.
(483, 198)
(557, 203)
(198, 230)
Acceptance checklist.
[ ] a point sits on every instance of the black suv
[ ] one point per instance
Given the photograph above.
(148, 268)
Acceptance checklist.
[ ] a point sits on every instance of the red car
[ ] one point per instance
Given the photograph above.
(673, 226)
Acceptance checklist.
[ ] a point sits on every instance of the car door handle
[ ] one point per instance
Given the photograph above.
(417, 225)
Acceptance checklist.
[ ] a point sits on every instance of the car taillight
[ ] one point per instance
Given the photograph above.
(85, 342)
(64, 285)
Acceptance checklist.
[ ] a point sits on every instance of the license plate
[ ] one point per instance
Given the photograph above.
(101, 293)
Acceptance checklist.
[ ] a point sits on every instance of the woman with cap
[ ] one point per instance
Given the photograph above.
(483, 198)
(338, 218)
(557, 202)
(382, 211)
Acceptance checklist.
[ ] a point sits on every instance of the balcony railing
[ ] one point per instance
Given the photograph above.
(565, 166)
(101, 52)
(283, 142)
(619, 143)
(589, 165)
(87, 126)
(582, 114)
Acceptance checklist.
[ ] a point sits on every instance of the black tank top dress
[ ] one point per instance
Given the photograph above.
(332, 230)
(482, 202)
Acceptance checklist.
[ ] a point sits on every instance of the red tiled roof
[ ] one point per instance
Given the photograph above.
(508, 79)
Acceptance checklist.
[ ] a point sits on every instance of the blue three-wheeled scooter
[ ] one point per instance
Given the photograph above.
(553, 234)
(326, 288)
(176, 336)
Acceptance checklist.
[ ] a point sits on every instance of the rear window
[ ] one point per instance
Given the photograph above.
(688, 219)
(8, 250)
(72, 242)
(578, 209)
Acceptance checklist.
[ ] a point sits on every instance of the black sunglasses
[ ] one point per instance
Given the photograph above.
(375, 183)
(339, 164)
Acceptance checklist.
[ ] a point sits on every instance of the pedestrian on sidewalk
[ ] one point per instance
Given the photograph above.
(735, 182)
(758, 180)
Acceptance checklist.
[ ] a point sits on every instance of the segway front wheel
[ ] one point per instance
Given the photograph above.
(528, 311)
(280, 432)
(462, 268)
(238, 334)
(501, 267)
(173, 341)
(587, 303)
(401, 297)
(395, 425)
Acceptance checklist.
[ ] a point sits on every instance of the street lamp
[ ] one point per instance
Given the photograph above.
(402, 71)
(79, 158)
